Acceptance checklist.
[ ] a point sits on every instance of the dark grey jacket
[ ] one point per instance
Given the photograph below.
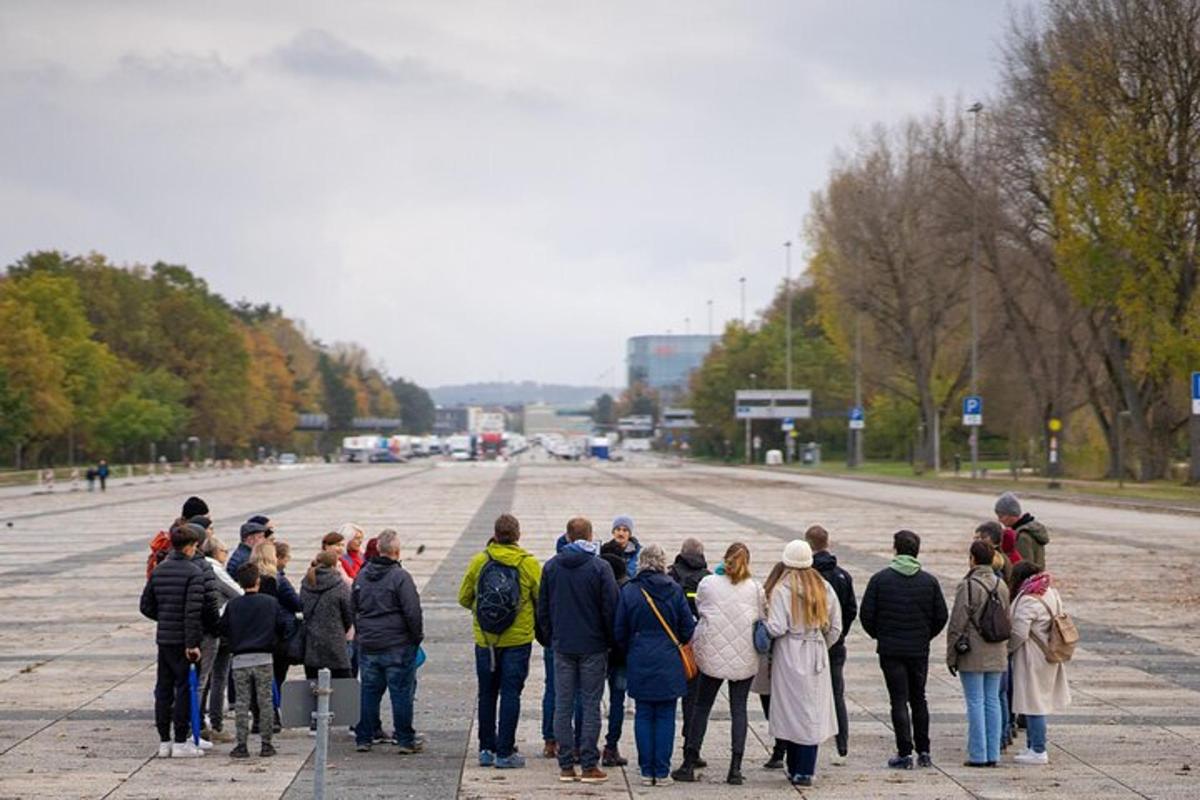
(387, 608)
(174, 598)
(328, 614)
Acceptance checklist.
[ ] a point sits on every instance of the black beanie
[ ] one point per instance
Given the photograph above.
(194, 507)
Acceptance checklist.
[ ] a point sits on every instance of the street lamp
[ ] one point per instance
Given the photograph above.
(753, 384)
(974, 111)
(710, 328)
(742, 281)
(787, 294)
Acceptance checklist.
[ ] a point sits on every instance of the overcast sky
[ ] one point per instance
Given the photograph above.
(472, 191)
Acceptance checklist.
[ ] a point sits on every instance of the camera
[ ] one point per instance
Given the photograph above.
(963, 645)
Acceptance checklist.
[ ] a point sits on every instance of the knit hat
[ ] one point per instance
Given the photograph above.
(251, 528)
(623, 522)
(194, 507)
(797, 554)
(1008, 505)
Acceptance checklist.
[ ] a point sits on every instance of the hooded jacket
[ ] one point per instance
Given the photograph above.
(903, 609)
(577, 599)
(211, 616)
(688, 570)
(387, 608)
(1032, 538)
(653, 667)
(530, 572)
(328, 614)
(826, 563)
(174, 598)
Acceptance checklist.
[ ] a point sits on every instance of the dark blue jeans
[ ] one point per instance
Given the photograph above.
(395, 672)
(504, 684)
(548, 702)
(583, 675)
(654, 731)
(801, 759)
(616, 706)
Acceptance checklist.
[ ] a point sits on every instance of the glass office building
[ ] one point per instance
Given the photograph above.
(665, 363)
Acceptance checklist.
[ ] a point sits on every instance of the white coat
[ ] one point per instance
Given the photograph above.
(802, 709)
(724, 637)
(1038, 687)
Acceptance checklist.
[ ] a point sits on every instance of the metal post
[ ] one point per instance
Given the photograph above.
(749, 459)
(974, 110)
(787, 295)
(710, 327)
(857, 434)
(937, 443)
(742, 281)
(323, 716)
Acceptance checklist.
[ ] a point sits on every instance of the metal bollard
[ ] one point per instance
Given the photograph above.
(323, 717)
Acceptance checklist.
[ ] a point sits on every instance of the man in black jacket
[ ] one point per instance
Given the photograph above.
(689, 569)
(174, 598)
(826, 563)
(903, 609)
(254, 625)
(389, 625)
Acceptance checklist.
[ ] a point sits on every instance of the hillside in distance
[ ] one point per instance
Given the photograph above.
(517, 393)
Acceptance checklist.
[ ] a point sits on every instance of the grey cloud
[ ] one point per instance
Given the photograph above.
(320, 54)
(177, 70)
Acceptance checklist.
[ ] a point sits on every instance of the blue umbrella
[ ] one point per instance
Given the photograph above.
(420, 656)
(194, 686)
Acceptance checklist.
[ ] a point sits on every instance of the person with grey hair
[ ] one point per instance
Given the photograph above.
(652, 622)
(214, 663)
(390, 626)
(688, 570)
(1032, 536)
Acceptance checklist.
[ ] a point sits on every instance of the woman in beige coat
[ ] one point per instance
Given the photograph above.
(1039, 687)
(978, 664)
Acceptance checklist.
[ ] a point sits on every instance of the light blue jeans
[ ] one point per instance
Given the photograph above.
(1035, 732)
(981, 690)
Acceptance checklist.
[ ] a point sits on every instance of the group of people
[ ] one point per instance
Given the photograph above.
(619, 616)
(239, 621)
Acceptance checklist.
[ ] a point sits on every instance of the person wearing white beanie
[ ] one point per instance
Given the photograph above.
(804, 618)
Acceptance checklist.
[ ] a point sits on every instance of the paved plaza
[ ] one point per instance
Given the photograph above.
(76, 658)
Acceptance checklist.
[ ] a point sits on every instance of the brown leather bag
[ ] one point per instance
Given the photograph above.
(690, 668)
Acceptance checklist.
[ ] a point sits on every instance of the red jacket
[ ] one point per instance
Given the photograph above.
(352, 563)
(1008, 544)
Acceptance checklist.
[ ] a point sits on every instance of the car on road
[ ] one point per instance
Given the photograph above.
(288, 458)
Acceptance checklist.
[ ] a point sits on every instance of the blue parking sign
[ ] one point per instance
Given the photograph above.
(1196, 392)
(972, 410)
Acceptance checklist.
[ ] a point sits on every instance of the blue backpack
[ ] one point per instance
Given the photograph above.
(497, 596)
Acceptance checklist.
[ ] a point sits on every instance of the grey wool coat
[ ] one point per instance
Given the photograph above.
(802, 709)
(327, 616)
(972, 593)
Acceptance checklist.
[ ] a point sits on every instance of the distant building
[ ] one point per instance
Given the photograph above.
(449, 421)
(544, 419)
(665, 363)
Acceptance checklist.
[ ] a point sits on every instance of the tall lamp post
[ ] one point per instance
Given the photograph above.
(710, 328)
(974, 111)
(787, 295)
(749, 454)
(742, 282)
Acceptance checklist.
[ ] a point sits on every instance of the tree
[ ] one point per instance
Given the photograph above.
(416, 406)
(340, 400)
(15, 414)
(604, 411)
(151, 410)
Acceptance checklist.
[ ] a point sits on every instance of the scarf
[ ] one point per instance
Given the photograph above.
(906, 565)
(1037, 584)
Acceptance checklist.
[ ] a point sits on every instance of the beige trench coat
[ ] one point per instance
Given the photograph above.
(802, 709)
(1038, 687)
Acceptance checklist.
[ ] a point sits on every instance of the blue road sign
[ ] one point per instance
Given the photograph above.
(857, 418)
(789, 423)
(973, 410)
(1196, 392)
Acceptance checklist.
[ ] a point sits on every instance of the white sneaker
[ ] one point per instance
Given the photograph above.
(837, 760)
(647, 781)
(164, 749)
(205, 744)
(1031, 758)
(185, 750)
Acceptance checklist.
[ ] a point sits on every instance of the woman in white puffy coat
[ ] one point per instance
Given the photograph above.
(728, 603)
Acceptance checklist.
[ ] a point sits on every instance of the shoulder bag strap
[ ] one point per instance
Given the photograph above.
(666, 627)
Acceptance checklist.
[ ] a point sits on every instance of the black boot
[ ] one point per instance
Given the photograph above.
(734, 778)
(777, 755)
(687, 770)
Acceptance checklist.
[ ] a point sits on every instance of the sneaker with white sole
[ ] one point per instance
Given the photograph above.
(185, 750)
(164, 749)
(647, 781)
(1031, 758)
(205, 744)
(838, 760)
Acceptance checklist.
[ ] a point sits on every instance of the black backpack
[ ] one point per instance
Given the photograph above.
(994, 624)
(497, 596)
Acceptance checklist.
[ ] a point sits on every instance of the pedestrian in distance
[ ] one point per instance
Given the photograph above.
(390, 626)
(1040, 684)
(687, 570)
(214, 669)
(91, 478)
(500, 588)
(617, 677)
(577, 600)
(730, 604)
(652, 622)
(102, 474)
(255, 627)
(976, 655)
(626, 543)
(1032, 536)
(761, 685)
(250, 534)
(826, 563)
(903, 610)
(353, 558)
(174, 598)
(804, 620)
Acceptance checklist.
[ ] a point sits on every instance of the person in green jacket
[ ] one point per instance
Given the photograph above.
(500, 588)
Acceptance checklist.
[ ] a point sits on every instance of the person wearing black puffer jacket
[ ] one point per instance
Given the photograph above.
(174, 598)
(689, 568)
(826, 563)
(903, 610)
